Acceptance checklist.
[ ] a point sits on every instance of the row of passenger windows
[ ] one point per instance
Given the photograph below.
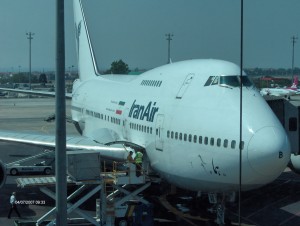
(203, 140)
(154, 83)
(76, 108)
(142, 128)
(170, 134)
(103, 117)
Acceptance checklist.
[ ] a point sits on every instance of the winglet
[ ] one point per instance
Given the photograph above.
(87, 66)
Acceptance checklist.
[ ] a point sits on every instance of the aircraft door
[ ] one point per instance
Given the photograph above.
(125, 124)
(159, 143)
(187, 81)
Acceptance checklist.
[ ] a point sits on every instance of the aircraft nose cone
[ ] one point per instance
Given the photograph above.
(269, 151)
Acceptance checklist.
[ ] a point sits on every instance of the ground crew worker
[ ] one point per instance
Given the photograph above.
(13, 205)
(129, 160)
(129, 157)
(138, 162)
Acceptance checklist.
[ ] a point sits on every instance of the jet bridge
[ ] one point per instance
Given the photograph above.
(117, 185)
(288, 113)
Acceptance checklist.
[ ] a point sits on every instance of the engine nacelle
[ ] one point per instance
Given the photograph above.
(295, 163)
(2, 174)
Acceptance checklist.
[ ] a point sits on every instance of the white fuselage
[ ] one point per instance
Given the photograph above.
(189, 127)
(279, 92)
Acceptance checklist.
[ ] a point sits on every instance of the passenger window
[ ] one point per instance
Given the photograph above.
(233, 143)
(190, 138)
(185, 137)
(150, 130)
(157, 132)
(176, 135)
(195, 139)
(205, 140)
(218, 142)
(200, 139)
(212, 141)
(242, 145)
(168, 133)
(180, 136)
(172, 135)
(225, 143)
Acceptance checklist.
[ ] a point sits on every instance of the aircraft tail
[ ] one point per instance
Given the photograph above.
(295, 83)
(87, 67)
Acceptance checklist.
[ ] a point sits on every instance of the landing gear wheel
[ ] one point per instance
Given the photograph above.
(13, 172)
(122, 222)
(47, 171)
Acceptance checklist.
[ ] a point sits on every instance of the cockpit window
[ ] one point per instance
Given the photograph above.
(209, 80)
(215, 81)
(247, 81)
(232, 81)
(229, 81)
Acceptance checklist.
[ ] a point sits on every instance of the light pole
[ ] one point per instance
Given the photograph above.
(294, 39)
(169, 38)
(29, 36)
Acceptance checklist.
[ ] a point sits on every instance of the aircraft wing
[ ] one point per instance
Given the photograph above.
(73, 143)
(35, 92)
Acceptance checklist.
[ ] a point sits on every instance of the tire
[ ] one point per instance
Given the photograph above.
(121, 222)
(14, 171)
(47, 171)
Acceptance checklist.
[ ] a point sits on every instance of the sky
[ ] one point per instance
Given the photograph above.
(135, 31)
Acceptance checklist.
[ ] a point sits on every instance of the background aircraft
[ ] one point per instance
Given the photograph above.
(282, 92)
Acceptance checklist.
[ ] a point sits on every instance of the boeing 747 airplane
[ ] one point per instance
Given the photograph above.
(184, 115)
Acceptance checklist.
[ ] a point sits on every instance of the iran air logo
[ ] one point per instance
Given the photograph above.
(143, 112)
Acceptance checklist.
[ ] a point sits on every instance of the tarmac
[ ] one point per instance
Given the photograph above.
(25, 115)
(277, 203)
